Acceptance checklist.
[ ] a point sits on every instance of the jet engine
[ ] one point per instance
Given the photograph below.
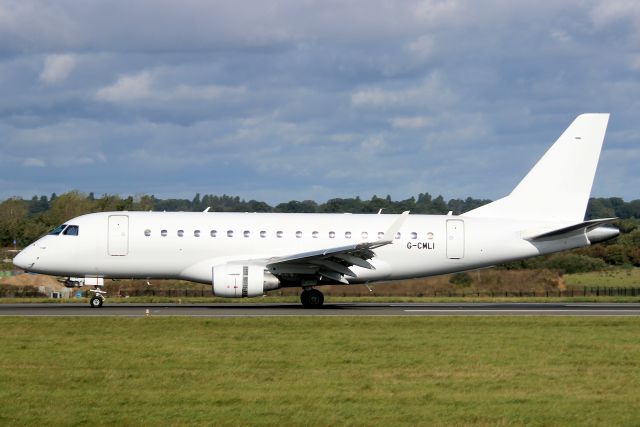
(242, 281)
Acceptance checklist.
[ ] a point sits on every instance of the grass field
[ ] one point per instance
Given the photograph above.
(617, 278)
(320, 371)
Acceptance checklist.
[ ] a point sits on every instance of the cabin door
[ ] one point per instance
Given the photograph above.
(118, 238)
(455, 239)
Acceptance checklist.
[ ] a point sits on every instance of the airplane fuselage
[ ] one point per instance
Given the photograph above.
(183, 245)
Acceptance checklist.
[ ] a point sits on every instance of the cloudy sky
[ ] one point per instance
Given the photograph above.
(279, 100)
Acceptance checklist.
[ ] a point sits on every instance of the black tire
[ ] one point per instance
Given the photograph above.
(96, 302)
(304, 298)
(315, 298)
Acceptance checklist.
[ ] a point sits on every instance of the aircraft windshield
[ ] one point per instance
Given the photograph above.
(57, 230)
(72, 230)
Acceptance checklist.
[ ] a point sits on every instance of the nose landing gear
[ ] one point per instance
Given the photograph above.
(97, 299)
(312, 298)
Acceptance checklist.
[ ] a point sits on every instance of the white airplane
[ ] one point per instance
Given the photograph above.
(246, 254)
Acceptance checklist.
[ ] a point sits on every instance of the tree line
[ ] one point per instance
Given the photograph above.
(24, 220)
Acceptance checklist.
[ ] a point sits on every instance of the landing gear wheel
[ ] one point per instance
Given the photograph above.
(304, 298)
(312, 298)
(96, 302)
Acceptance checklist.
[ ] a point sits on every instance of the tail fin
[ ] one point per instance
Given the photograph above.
(559, 185)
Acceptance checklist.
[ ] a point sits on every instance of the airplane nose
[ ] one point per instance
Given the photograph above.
(23, 259)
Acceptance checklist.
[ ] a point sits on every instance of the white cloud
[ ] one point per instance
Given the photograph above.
(433, 91)
(422, 47)
(560, 36)
(373, 144)
(144, 87)
(413, 122)
(57, 68)
(610, 11)
(435, 12)
(127, 88)
(32, 162)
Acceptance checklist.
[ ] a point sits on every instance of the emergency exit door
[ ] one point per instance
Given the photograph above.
(455, 239)
(118, 239)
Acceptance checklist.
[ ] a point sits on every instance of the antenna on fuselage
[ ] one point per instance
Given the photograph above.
(207, 210)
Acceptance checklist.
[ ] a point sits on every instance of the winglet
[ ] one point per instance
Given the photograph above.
(397, 224)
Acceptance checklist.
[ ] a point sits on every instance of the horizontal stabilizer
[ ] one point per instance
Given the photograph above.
(583, 227)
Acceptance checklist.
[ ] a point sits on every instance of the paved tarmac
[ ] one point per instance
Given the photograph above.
(341, 309)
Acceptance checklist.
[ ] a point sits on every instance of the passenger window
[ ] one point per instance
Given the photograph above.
(72, 230)
(347, 235)
(213, 233)
(230, 233)
(163, 233)
(57, 230)
(247, 233)
(414, 235)
(332, 234)
(314, 234)
(298, 234)
(180, 233)
(147, 232)
(263, 234)
(380, 235)
(196, 233)
(279, 234)
(364, 235)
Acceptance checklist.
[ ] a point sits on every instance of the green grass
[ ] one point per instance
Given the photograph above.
(616, 278)
(320, 371)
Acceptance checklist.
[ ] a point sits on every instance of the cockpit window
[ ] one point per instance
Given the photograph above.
(57, 230)
(72, 230)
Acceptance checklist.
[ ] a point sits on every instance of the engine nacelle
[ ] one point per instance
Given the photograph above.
(242, 281)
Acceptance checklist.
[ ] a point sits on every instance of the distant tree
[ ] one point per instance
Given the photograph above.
(67, 206)
(294, 206)
(38, 205)
(600, 208)
(255, 206)
(616, 255)
(569, 263)
(439, 206)
(196, 203)
(12, 215)
(143, 203)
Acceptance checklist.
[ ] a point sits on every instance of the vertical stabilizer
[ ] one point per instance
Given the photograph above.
(559, 185)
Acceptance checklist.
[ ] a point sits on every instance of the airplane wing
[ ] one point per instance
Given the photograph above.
(331, 264)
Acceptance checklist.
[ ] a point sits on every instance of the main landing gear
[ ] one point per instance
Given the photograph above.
(97, 299)
(312, 298)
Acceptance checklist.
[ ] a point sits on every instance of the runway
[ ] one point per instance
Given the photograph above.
(340, 309)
